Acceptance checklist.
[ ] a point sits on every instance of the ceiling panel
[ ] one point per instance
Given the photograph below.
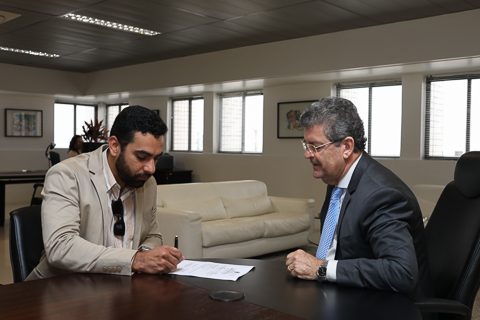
(15, 58)
(50, 7)
(322, 17)
(64, 63)
(39, 44)
(246, 29)
(188, 27)
(270, 22)
(26, 18)
(217, 9)
(146, 14)
(450, 6)
(70, 32)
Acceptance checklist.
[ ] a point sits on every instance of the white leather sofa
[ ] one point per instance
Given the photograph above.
(233, 219)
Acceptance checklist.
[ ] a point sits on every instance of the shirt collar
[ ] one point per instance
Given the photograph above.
(112, 185)
(345, 180)
(109, 177)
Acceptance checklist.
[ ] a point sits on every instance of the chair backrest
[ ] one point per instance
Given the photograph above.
(26, 241)
(54, 158)
(453, 234)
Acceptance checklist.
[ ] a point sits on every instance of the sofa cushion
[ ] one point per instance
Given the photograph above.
(184, 192)
(247, 207)
(227, 231)
(211, 209)
(238, 189)
(279, 224)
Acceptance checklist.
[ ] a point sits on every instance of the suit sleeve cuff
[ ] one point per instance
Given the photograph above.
(332, 271)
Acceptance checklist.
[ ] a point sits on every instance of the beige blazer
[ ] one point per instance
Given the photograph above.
(75, 220)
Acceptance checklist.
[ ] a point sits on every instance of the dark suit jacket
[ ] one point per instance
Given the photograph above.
(380, 234)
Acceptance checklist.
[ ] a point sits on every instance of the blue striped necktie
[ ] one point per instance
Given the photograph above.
(329, 224)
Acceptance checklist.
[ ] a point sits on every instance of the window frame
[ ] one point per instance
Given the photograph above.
(107, 118)
(370, 86)
(428, 85)
(230, 95)
(172, 130)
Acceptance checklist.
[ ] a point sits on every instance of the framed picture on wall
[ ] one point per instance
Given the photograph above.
(23, 123)
(288, 119)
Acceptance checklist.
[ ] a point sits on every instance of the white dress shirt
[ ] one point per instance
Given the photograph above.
(332, 263)
(128, 200)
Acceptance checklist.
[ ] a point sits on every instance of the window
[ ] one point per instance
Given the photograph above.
(187, 125)
(68, 121)
(112, 111)
(241, 123)
(452, 119)
(379, 105)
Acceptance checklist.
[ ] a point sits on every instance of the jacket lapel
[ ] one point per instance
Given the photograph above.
(95, 166)
(139, 201)
(357, 175)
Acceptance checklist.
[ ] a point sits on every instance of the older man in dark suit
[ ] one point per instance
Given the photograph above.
(373, 235)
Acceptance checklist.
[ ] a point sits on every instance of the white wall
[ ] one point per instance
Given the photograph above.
(18, 153)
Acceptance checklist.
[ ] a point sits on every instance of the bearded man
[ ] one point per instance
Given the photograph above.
(99, 208)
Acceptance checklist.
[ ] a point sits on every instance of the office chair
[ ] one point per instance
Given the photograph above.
(26, 241)
(54, 158)
(453, 243)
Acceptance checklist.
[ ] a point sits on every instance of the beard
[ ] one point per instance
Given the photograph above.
(123, 170)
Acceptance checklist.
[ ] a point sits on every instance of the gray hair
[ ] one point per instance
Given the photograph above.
(340, 120)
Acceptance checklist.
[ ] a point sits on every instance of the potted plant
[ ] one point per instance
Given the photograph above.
(94, 135)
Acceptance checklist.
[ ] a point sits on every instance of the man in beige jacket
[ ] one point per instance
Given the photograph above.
(98, 212)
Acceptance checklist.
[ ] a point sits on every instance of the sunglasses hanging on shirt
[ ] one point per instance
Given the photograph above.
(117, 209)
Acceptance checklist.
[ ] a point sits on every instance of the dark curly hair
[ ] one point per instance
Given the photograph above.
(340, 119)
(136, 119)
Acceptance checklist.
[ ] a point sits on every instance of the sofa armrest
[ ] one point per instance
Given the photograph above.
(295, 205)
(188, 227)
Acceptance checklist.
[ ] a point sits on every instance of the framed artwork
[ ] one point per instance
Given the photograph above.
(23, 123)
(288, 119)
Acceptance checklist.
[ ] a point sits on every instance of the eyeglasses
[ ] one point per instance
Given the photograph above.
(119, 226)
(312, 148)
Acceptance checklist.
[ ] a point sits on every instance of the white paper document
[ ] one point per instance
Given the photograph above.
(211, 270)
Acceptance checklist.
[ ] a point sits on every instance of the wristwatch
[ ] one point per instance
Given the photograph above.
(322, 271)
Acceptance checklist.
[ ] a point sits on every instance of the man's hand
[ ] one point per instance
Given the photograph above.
(162, 259)
(303, 265)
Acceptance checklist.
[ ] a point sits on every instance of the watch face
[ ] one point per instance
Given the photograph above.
(323, 271)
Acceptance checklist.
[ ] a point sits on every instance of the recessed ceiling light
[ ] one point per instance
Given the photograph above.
(109, 24)
(33, 53)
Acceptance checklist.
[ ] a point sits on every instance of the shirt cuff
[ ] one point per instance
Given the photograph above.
(332, 271)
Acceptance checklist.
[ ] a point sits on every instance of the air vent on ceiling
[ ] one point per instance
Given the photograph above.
(7, 16)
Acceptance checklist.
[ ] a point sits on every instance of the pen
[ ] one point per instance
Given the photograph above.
(176, 242)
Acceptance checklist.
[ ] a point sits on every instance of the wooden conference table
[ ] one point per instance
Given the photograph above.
(15, 177)
(270, 293)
